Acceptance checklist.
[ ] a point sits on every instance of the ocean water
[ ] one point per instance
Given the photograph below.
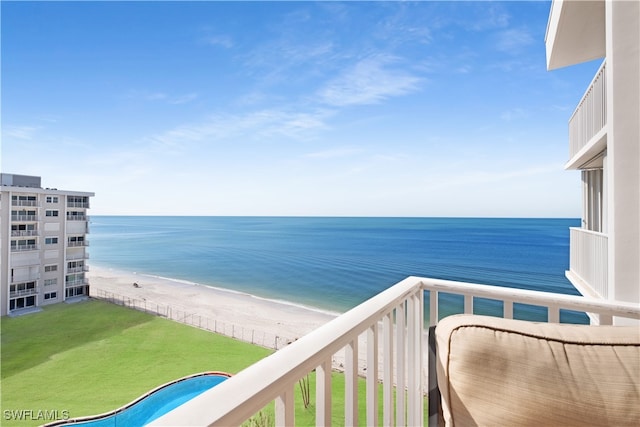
(336, 263)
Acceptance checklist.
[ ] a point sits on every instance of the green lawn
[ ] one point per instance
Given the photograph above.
(92, 357)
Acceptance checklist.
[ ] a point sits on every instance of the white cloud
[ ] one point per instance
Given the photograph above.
(514, 40)
(20, 132)
(514, 114)
(370, 81)
(255, 125)
(220, 40)
(183, 99)
(333, 153)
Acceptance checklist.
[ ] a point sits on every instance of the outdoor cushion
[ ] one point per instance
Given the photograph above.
(503, 372)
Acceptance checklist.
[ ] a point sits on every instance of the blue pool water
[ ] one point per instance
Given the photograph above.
(158, 403)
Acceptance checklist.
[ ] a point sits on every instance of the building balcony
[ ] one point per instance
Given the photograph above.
(77, 256)
(575, 32)
(80, 269)
(77, 244)
(84, 205)
(25, 248)
(589, 262)
(387, 333)
(25, 203)
(24, 217)
(588, 124)
(77, 217)
(76, 282)
(24, 233)
(24, 292)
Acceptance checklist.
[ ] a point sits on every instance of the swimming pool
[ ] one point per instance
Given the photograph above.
(152, 405)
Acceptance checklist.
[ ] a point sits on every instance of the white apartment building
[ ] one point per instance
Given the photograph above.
(604, 142)
(43, 244)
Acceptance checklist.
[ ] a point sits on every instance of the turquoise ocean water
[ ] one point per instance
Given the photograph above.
(336, 263)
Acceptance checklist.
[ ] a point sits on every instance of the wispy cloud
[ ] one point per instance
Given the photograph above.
(162, 97)
(255, 125)
(514, 114)
(334, 153)
(183, 99)
(513, 40)
(369, 81)
(220, 40)
(20, 132)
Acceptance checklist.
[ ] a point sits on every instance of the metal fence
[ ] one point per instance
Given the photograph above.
(218, 326)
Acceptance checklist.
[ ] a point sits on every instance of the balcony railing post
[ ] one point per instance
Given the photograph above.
(401, 363)
(387, 380)
(351, 383)
(285, 415)
(323, 394)
(372, 375)
(413, 361)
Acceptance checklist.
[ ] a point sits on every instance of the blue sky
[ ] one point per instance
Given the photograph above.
(291, 108)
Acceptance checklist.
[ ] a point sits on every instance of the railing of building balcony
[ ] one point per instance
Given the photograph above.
(76, 282)
(391, 327)
(27, 203)
(590, 116)
(78, 205)
(76, 217)
(24, 217)
(22, 248)
(74, 257)
(78, 243)
(589, 259)
(24, 233)
(80, 269)
(23, 292)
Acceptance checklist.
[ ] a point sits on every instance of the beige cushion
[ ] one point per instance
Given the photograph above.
(502, 372)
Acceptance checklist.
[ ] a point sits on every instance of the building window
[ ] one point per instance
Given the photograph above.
(52, 199)
(51, 241)
(51, 213)
(52, 267)
(50, 282)
(80, 290)
(23, 302)
(51, 295)
(592, 184)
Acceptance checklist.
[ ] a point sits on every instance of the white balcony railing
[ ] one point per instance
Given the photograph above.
(78, 205)
(26, 203)
(77, 243)
(76, 282)
(24, 217)
(77, 256)
(589, 259)
(23, 292)
(24, 233)
(590, 116)
(390, 325)
(24, 248)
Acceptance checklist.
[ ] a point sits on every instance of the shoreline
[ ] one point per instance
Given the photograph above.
(276, 317)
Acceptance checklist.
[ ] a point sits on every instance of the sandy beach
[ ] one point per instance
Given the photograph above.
(274, 318)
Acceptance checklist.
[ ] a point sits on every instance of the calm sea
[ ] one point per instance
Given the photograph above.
(335, 263)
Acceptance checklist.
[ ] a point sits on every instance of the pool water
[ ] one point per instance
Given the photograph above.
(158, 403)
